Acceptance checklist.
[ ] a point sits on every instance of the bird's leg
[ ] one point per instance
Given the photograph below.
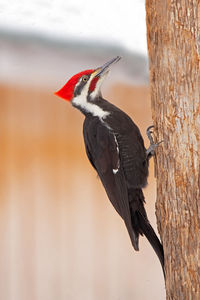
(151, 150)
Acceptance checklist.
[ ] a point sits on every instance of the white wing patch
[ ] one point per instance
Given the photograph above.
(118, 163)
(116, 142)
(115, 171)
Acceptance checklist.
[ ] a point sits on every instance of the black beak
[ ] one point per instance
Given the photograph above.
(106, 66)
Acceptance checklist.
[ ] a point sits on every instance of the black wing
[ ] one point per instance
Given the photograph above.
(103, 153)
(103, 148)
(131, 146)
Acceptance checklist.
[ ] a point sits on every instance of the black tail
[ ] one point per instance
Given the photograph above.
(151, 236)
(141, 224)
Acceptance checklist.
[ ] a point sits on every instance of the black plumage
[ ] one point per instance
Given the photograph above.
(116, 150)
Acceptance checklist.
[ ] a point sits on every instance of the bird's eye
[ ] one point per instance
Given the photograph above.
(85, 78)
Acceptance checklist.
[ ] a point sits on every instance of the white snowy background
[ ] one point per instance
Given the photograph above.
(115, 21)
(44, 41)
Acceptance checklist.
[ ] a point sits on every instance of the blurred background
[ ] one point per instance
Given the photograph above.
(60, 236)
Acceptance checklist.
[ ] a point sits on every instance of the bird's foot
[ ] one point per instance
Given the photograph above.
(151, 150)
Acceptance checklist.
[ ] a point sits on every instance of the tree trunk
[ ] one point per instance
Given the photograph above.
(173, 34)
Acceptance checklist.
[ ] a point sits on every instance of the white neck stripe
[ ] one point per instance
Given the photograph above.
(81, 100)
(95, 110)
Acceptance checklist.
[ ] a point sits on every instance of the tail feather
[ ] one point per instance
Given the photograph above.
(151, 236)
(141, 224)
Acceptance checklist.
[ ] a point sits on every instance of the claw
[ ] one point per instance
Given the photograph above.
(148, 128)
(151, 150)
(149, 134)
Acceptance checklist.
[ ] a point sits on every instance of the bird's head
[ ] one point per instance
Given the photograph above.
(85, 86)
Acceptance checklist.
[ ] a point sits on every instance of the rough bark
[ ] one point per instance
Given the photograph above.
(173, 35)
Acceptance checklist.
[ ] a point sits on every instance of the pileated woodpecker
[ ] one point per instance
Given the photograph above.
(116, 150)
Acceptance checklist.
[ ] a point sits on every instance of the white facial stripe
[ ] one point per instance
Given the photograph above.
(81, 101)
(78, 83)
(98, 86)
(86, 86)
(92, 108)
